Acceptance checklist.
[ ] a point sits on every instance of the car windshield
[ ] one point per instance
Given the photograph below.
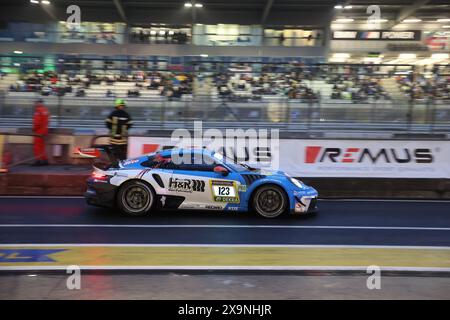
(230, 162)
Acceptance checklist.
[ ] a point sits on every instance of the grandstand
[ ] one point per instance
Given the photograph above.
(327, 70)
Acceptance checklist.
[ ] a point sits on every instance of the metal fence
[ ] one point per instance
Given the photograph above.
(295, 115)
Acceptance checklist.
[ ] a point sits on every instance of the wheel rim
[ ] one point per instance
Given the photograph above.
(136, 199)
(270, 202)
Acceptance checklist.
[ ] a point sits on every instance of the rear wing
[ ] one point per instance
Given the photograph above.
(103, 155)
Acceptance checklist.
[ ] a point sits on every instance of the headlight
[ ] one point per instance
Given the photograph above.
(297, 183)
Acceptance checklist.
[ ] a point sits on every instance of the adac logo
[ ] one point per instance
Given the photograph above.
(315, 154)
(27, 255)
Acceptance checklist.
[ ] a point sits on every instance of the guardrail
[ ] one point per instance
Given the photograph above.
(289, 114)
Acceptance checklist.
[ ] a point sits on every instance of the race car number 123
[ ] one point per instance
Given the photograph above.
(224, 191)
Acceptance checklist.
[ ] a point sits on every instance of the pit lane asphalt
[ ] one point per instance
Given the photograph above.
(340, 222)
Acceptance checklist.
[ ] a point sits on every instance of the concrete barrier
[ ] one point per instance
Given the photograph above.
(69, 175)
(381, 188)
(48, 181)
(71, 181)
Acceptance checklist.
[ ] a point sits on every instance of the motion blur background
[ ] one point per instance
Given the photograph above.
(291, 64)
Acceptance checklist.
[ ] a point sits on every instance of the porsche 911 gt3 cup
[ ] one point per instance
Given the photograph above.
(209, 181)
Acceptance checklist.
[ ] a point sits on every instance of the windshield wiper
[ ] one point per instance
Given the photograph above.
(248, 167)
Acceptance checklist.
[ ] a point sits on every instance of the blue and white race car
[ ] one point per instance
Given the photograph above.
(209, 181)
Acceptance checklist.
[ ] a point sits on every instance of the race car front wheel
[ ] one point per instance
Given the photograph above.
(135, 198)
(270, 201)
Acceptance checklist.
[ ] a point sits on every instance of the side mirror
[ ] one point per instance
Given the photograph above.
(221, 170)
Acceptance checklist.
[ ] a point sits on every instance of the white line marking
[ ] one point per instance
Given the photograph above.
(382, 200)
(238, 268)
(320, 199)
(222, 226)
(158, 245)
(42, 197)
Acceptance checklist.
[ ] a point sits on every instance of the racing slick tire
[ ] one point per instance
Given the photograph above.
(270, 201)
(136, 198)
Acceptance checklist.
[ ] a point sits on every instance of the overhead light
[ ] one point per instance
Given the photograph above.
(338, 7)
(45, 2)
(18, 52)
(17, 64)
(188, 4)
(411, 20)
(378, 20)
(407, 56)
(203, 55)
(345, 20)
(34, 1)
(348, 7)
(341, 55)
(198, 5)
(439, 56)
(443, 20)
(446, 27)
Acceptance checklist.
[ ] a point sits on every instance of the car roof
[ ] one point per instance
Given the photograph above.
(168, 152)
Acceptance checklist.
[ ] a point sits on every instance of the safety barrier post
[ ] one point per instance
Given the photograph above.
(3, 168)
(288, 112)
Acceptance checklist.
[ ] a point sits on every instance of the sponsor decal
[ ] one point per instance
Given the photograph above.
(142, 173)
(414, 35)
(213, 207)
(302, 204)
(131, 161)
(345, 34)
(370, 35)
(242, 188)
(398, 35)
(28, 255)
(186, 185)
(319, 154)
(224, 191)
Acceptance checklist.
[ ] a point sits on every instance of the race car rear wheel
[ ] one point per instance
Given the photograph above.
(270, 201)
(135, 198)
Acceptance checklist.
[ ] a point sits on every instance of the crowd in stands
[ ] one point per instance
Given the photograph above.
(352, 83)
(435, 88)
(357, 88)
(49, 83)
(291, 85)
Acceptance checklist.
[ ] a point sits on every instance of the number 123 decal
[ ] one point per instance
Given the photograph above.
(224, 191)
